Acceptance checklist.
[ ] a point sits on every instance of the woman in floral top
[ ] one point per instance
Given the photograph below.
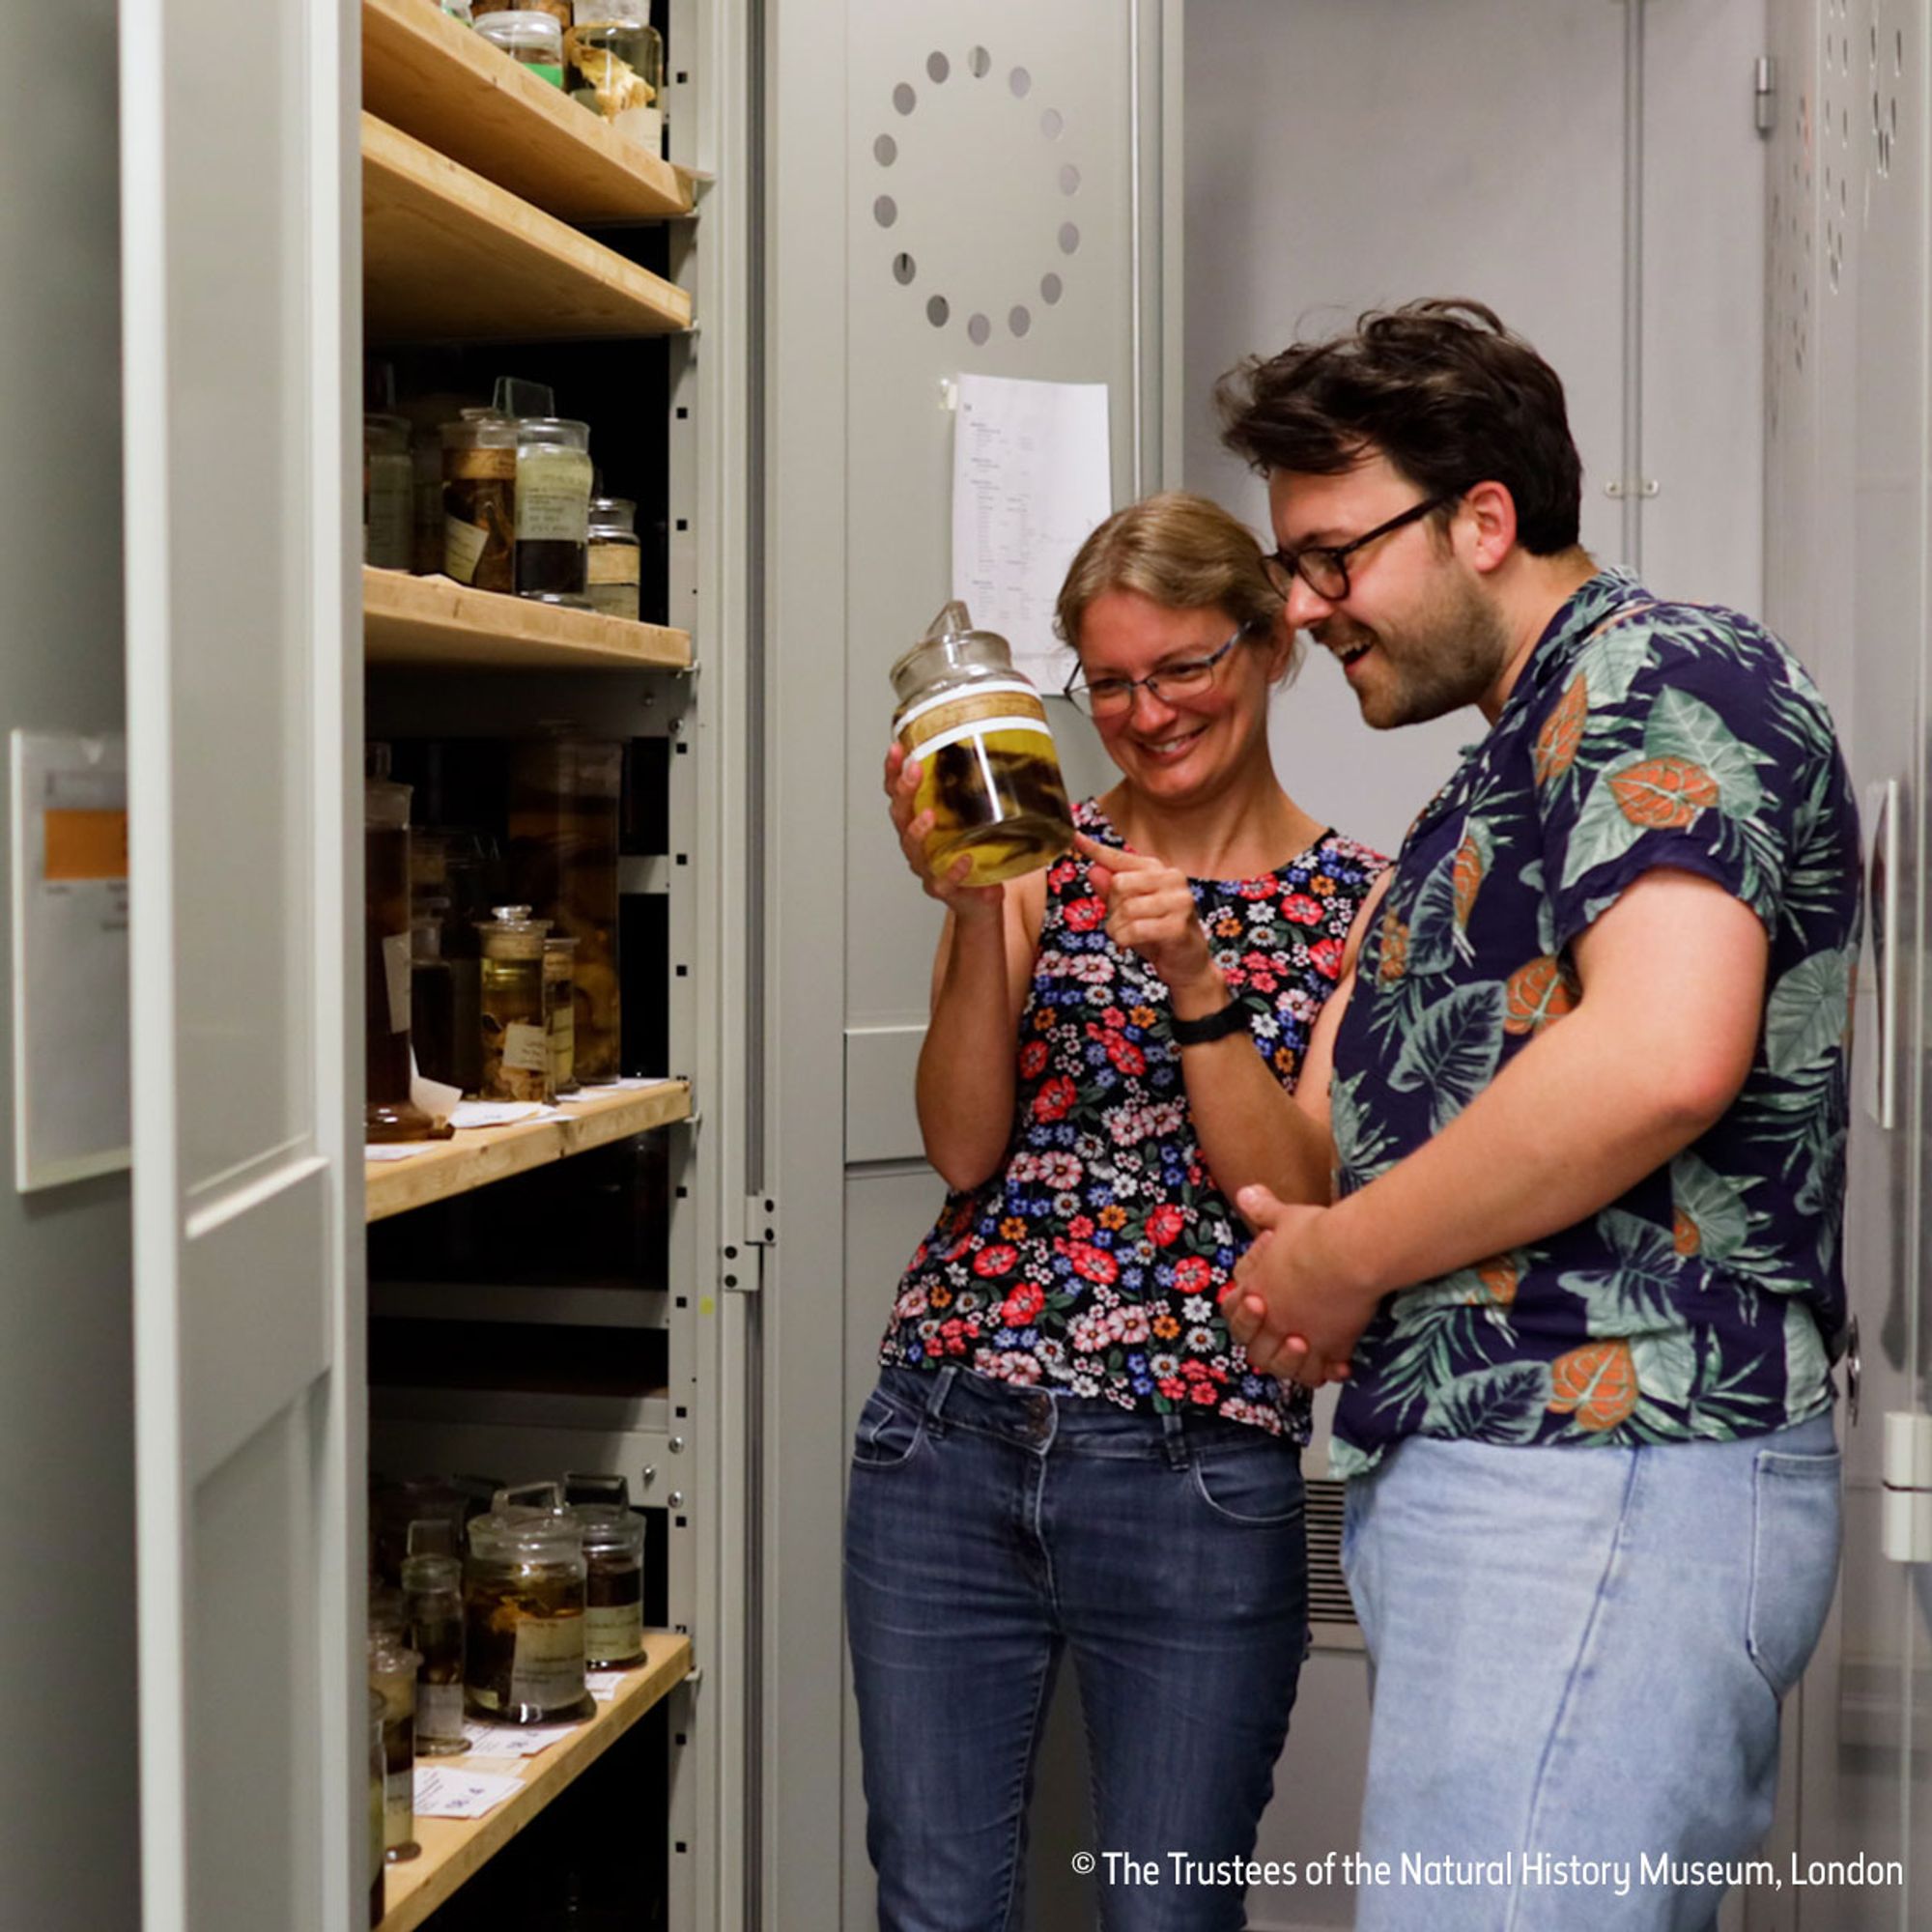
(1066, 1451)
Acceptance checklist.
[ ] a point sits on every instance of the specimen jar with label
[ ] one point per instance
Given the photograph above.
(389, 1114)
(531, 37)
(613, 1554)
(553, 478)
(616, 69)
(378, 1778)
(989, 774)
(388, 494)
(393, 1676)
(523, 1610)
(433, 1587)
(560, 1012)
(479, 498)
(616, 563)
(565, 793)
(516, 1036)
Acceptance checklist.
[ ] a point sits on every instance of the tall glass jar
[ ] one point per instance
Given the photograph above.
(616, 68)
(613, 1554)
(560, 1013)
(616, 565)
(989, 774)
(393, 1676)
(553, 478)
(433, 1586)
(516, 1038)
(479, 499)
(523, 1611)
(388, 1112)
(564, 801)
(531, 37)
(388, 494)
(379, 1777)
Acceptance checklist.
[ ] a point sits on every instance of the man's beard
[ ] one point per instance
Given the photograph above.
(1444, 657)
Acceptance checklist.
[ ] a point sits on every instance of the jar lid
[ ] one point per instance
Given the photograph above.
(480, 429)
(618, 513)
(550, 432)
(520, 26)
(515, 918)
(424, 1573)
(952, 644)
(606, 1529)
(559, 944)
(545, 1534)
(513, 934)
(390, 1657)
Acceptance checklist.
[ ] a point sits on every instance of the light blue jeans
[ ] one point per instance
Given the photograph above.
(1578, 1657)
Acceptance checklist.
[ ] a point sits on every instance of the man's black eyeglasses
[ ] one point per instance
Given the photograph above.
(1324, 567)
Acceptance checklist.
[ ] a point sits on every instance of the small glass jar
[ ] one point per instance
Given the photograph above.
(393, 1676)
(523, 1613)
(554, 479)
(531, 37)
(989, 774)
(565, 797)
(378, 1807)
(617, 561)
(479, 499)
(560, 1013)
(613, 1555)
(616, 69)
(388, 1112)
(388, 494)
(516, 1038)
(433, 1586)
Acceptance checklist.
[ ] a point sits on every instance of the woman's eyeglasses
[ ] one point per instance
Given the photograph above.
(1114, 697)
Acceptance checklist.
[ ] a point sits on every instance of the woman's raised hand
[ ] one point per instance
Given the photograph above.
(1150, 911)
(915, 828)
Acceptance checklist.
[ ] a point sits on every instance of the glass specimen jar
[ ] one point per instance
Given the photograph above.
(378, 1809)
(479, 498)
(563, 822)
(989, 774)
(553, 478)
(616, 69)
(616, 563)
(522, 1615)
(532, 37)
(388, 494)
(432, 1587)
(560, 1013)
(516, 1040)
(613, 1555)
(388, 1112)
(393, 1676)
(557, 10)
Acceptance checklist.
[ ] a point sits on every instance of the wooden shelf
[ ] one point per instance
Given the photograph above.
(454, 1850)
(443, 82)
(448, 256)
(432, 620)
(480, 1156)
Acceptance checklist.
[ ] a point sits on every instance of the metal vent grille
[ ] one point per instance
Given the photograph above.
(1331, 1615)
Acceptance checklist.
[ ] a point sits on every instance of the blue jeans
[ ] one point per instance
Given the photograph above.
(1578, 1657)
(988, 1530)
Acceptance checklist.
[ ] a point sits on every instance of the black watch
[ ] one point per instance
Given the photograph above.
(1232, 1018)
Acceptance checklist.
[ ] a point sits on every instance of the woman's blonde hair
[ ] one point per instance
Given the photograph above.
(1182, 551)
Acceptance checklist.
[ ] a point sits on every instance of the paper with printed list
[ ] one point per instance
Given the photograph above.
(1031, 475)
(444, 1792)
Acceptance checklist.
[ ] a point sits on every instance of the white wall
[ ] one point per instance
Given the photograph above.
(68, 1859)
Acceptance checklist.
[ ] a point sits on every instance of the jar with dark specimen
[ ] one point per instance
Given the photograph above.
(479, 498)
(388, 494)
(989, 774)
(616, 565)
(433, 1586)
(560, 1012)
(523, 1617)
(389, 1114)
(553, 478)
(613, 1555)
(564, 802)
(393, 1676)
(516, 1040)
(378, 1808)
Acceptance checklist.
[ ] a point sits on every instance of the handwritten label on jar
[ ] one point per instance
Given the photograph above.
(396, 967)
(991, 705)
(553, 497)
(527, 1047)
(615, 564)
(548, 1671)
(399, 1808)
(461, 549)
(563, 1046)
(614, 1632)
(439, 1713)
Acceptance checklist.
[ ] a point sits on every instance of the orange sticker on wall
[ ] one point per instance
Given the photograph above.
(86, 845)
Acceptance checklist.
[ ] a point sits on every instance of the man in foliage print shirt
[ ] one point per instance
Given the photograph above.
(1587, 1112)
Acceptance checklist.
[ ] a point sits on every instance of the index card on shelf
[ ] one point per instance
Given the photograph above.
(444, 1792)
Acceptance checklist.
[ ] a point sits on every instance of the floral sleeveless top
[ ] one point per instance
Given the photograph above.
(1093, 1260)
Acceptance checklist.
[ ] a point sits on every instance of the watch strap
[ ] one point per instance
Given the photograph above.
(1232, 1018)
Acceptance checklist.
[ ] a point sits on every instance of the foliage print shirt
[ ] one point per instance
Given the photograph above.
(1641, 734)
(1093, 1262)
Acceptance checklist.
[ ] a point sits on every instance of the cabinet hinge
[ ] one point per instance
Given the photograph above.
(742, 1262)
(1908, 1487)
(1764, 92)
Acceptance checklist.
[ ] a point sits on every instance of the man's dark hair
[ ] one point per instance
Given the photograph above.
(1440, 388)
